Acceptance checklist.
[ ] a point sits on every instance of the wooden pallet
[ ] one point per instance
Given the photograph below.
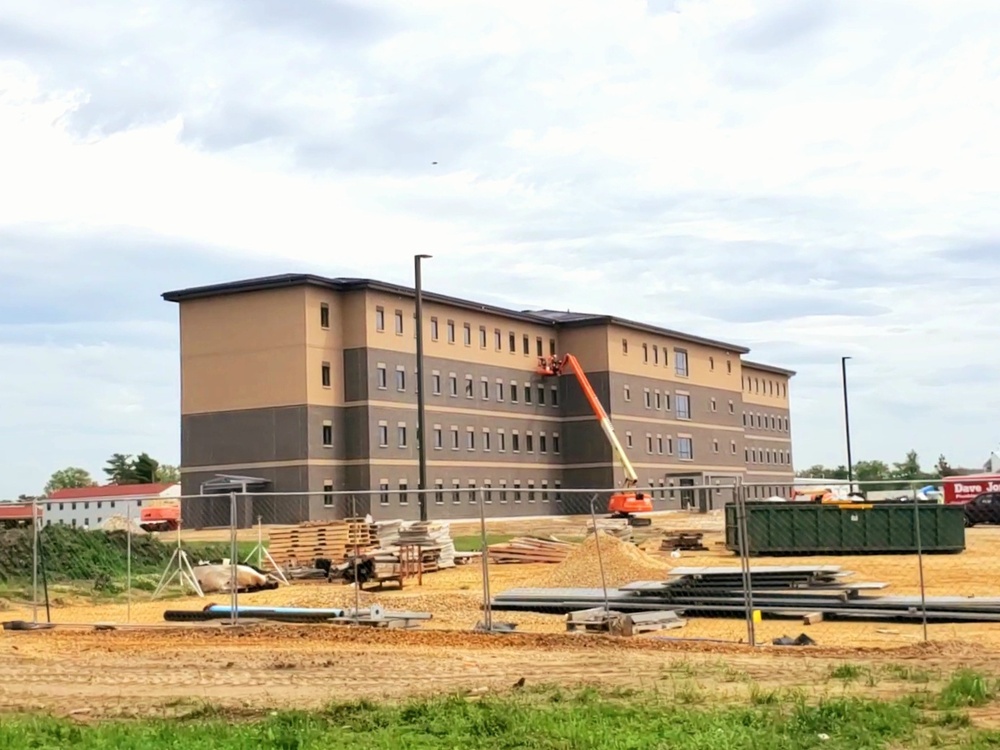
(683, 540)
(598, 620)
(529, 549)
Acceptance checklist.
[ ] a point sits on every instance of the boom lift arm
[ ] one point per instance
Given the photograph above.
(622, 504)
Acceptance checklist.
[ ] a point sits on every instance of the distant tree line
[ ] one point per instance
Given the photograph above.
(875, 471)
(121, 468)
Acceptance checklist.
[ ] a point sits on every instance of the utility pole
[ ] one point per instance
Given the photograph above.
(421, 417)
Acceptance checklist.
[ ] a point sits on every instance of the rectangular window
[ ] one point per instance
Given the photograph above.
(400, 379)
(552, 347)
(439, 492)
(472, 490)
(467, 334)
(713, 405)
(649, 443)
(456, 491)
(383, 435)
(382, 377)
(545, 490)
(732, 407)
(438, 438)
(497, 339)
(666, 402)
(656, 355)
(499, 389)
(527, 393)
(541, 395)
(538, 347)
(502, 492)
(558, 492)
(450, 325)
(482, 336)
(628, 439)
(327, 434)
(647, 398)
(324, 315)
(625, 347)
(685, 449)
(555, 395)
(470, 439)
(399, 322)
(555, 442)
(657, 401)
(453, 384)
(379, 319)
(484, 387)
(715, 446)
(732, 447)
(435, 331)
(529, 443)
(501, 441)
(487, 491)
(531, 490)
(659, 444)
(515, 442)
(683, 406)
(645, 353)
(513, 392)
(512, 342)
(526, 344)
(542, 443)
(325, 374)
(670, 446)
(486, 439)
(401, 435)
(404, 497)
(436, 384)
(627, 392)
(469, 393)
(327, 493)
(517, 490)
(681, 362)
(454, 439)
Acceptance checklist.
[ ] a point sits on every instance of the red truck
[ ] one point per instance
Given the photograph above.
(964, 489)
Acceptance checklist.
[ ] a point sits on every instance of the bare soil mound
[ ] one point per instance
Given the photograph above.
(623, 563)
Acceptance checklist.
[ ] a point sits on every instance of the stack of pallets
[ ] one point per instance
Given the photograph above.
(308, 542)
(530, 549)
(683, 540)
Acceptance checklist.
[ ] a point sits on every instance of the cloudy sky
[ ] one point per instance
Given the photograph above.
(813, 179)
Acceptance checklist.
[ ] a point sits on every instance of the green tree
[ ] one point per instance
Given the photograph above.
(908, 469)
(144, 469)
(120, 470)
(168, 474)
(69, 478)
(944, 469)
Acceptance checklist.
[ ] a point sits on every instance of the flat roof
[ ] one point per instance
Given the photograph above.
(549, 318)
(768, 368)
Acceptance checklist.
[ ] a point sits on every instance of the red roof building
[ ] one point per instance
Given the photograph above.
(109, 491)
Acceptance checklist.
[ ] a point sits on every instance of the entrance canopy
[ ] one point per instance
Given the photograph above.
(223, 484)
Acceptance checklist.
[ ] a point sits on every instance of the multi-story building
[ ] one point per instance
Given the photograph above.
(308, 384)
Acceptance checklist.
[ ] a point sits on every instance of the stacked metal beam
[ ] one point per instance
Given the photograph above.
(776, 590)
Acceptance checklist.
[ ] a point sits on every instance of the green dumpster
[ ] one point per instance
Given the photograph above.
(861, 528)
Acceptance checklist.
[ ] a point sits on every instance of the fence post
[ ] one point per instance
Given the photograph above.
(600, 559)
(233, 561)
(744, 545)
(357, 585)
(34, 560)
(920, 560)
(128, 562)
(485, 560)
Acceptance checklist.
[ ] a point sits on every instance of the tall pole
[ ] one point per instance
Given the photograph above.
(847, 425)
(421, 416)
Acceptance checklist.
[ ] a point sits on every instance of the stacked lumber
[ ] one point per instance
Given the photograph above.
(683, 540)
(328, 540)
(387, 533)
(530, 549)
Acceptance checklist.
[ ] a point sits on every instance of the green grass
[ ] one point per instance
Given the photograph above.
(536, 720)
(847, 672)
(474, 542)
(967, 689)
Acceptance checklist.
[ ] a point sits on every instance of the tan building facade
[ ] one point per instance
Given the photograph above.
(309, 384)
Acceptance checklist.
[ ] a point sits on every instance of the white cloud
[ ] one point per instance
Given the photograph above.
(814, 179)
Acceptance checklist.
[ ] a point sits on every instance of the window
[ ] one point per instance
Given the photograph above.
(529, 442)
(555, 395)
(555, 442)
(327, 493)
(379, 319)
(468, 387)
(526, 344)
(501, 441)
(685, 449)
(470, 439)
(450, 325)
(517, 490)
(656, 398)
(732, 447)
(515, 442)
(327, 434)
(454, 439)
(531, 490)
(665, 358)
(645, 353)
(503, 490)
(713, 405)
(439, 492)
(541, 395)
(486, 438)
(512, 342)
(453, 384)
(649, 443)
(382, 377)
(647, 398)
(400, 379)
(670, 446)
(499, 390)
(399, 322)
(401, 435)
(715, 446)
(744, 419)
(558, 488)
(325, 374)
(484, 387)
(383, 435)
(628, 439)
(659, 444)
(625, 346)
(627, 392)
(732, 407)
(472, 490)
(482, 337)
(513, 392)
(545, 490)
(404, 498)
(324, 315)
(681, 362)
(436, 384)
(497, 339)
(435, 331)
(538, 346)
(729, 366)
(542, 443)
(683, 406)
(527, 393)
(456, 491)
(467, 334)
(438, 437)
(552, 347)
(711, 363)
(487, 491)
(656, 355)
(746, 455)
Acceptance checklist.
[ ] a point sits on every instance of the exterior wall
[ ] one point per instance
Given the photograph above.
(92, 512)
(767, 425)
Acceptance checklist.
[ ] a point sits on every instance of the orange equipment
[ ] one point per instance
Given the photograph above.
(160, 517)
(627, 502)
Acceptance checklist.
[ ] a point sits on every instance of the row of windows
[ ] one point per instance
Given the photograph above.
(86, 522)
(764, 386)
(487, 439)
(765, 421)
(665, 445)
(456, 493)
(653, 354)
(767, 456)
(497, 391)
(86, 504)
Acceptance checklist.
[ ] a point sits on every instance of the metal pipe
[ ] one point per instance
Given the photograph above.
(920, 562)
(421, 411)
(600, 560)
(34, 560)
(847, 425)
(128, 563)
(487, 606)
(234, 579)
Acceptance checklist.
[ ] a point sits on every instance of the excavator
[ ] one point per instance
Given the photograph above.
(627, 502)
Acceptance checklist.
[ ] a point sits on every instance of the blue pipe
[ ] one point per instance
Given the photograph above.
(220, 609)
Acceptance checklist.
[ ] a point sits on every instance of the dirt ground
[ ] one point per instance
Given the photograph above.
(104, 672)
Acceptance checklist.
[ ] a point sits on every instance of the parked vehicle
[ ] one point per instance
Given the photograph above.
(983, 508)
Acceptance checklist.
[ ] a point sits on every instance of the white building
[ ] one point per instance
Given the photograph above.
(90, 507)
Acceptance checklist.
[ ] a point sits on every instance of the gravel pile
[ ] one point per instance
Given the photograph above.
(623, 563)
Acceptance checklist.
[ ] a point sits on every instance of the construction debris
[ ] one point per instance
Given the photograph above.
(600, 620)
(373, 616)
(530, 549)
(219, 578)
(683, 540)
(122, 523)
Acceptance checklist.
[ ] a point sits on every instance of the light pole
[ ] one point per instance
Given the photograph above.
(847, 425)
(421, 443)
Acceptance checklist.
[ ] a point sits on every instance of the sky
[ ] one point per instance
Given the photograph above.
(811, 179)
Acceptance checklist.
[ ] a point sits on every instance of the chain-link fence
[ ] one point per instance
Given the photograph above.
(869, 564)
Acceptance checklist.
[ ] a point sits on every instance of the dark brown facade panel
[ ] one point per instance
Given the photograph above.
(357, 383)
(246, 436)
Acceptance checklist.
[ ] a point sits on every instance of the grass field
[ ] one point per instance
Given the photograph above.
(550, 718)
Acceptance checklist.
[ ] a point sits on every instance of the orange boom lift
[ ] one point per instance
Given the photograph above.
(627, 502)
